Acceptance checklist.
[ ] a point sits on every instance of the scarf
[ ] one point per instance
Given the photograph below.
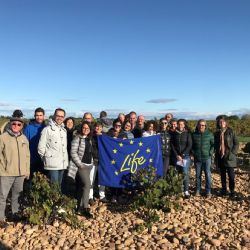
(222, 143)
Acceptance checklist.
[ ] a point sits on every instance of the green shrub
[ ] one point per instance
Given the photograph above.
(163, 193)
(45, 204)
(154, 194)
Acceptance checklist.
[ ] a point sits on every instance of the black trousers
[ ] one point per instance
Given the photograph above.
(224, 171)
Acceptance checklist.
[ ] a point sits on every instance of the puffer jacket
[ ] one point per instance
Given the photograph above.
(203, 145)
(52, 147)
(181, 143)
(14, 155)
(77, 152)
(231, 147)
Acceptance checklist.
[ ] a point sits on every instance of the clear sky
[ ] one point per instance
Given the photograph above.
(191, 58)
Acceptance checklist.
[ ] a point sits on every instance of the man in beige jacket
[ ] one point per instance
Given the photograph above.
(14, 166)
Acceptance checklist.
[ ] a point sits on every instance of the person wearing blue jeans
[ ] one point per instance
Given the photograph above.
(56, 176)
(206, 166)
(184, 167)
(52, 147)
(203, 147)
(181, 145)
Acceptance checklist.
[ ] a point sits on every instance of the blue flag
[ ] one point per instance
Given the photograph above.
(121, 158)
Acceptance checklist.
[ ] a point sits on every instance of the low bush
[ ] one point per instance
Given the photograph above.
(45, 203)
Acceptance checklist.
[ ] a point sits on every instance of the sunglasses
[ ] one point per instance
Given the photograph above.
(118, 125)
(164, 123)
(16, 124)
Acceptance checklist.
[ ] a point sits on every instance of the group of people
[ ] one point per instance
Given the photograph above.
(64, 151)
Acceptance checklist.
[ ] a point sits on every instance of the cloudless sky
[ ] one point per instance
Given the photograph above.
(188, 57)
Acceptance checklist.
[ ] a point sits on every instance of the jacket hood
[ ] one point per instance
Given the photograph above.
(54, 125)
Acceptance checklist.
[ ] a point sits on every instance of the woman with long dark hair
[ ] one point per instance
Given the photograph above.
(83, 152)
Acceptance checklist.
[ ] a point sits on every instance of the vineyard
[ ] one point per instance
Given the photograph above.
(240, 126)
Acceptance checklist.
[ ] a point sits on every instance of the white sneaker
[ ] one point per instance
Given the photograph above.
(187, 194)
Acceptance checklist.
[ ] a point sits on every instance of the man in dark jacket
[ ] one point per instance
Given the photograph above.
(203, 146)
(33, 133)
(226, 146)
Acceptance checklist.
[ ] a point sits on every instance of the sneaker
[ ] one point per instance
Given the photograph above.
(3, 224)
(186, 194)
(208, 195)
(197, 193)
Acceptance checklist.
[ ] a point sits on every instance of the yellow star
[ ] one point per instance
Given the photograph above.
(121, 145)
(148, 150)
(116, 172)
(113, 162)
(131, 142)
(115, 151)
(151, 160)
(140, 143)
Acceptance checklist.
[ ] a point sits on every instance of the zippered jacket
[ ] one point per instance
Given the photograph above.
(52, 147)
(203, 145)
(14, 155)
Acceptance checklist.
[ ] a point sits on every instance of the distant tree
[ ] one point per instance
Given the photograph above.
(245, 117)
(233, 117)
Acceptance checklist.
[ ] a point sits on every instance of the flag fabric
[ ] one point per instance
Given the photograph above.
(121, 158)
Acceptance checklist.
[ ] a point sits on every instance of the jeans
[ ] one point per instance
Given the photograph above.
(206, 166)
(185, 171)
(56, 176)
(15, 184)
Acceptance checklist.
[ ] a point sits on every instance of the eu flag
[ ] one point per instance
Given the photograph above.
(121, 158)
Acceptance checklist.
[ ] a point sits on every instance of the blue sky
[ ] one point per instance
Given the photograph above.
(191, 58)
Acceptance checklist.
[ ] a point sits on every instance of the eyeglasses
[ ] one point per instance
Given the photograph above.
(85, 128)
(16, 124)
(164, 123)
(60, 116)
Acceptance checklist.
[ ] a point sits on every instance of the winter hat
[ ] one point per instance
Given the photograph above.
(17, 116)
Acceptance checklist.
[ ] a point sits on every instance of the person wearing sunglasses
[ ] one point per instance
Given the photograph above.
(202, 148)
(52, 147)
(165, 145)
(14, 167)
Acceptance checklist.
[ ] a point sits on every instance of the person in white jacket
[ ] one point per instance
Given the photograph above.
(52, 147)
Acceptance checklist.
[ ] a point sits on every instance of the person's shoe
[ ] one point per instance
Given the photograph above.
(208, 195)
(186, 194)
(86, 213)
(113, 200)
(232, 194)
(223, 192)
(104, 200)
(91, 202)
(197, 193)
(3, 224)
(16, 217)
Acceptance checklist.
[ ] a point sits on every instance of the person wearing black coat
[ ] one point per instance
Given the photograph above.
(181, 145)
(226, 145)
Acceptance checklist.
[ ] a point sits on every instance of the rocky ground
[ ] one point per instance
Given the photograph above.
(201, 223)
